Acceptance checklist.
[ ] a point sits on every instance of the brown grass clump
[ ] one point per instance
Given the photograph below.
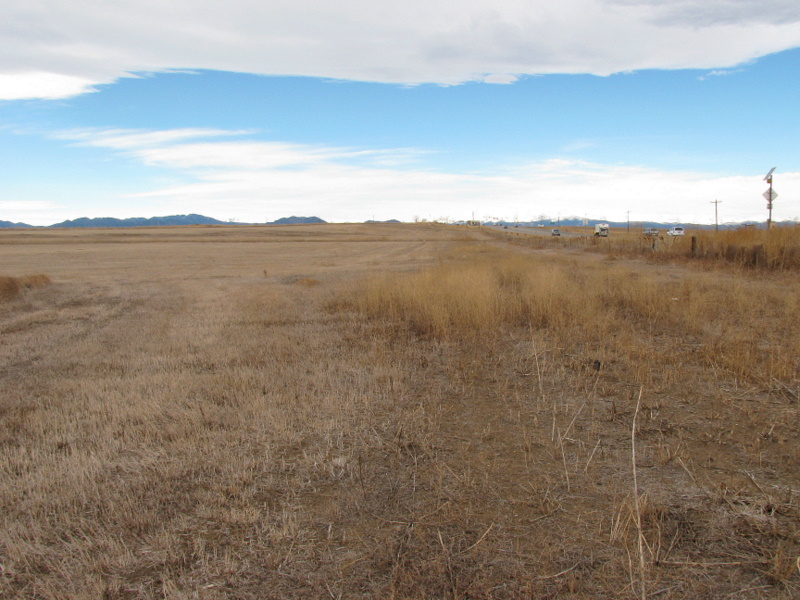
(307, 282)
(30, 282)
(11, 287)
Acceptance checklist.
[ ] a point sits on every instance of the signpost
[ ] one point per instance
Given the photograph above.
(770, 195)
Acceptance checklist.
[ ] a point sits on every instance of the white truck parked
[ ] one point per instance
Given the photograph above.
(601, 229)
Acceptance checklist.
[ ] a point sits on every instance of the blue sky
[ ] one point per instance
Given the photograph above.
(510, 109)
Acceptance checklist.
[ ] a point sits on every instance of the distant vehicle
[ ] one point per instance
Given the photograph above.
(555, 232)
(601, 230)
(650, 231)
(675, 231)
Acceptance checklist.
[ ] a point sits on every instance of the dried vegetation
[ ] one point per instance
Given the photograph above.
(393, 412)
(12, 287)
(748, 248)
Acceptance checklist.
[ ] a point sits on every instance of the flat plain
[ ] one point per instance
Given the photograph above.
(391, 411)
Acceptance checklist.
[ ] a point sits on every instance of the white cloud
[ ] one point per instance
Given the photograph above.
(263, 180)
(708, 13)
(50, 86)
(718, 73)
(501, 78)
(57, 48)
(122, 139)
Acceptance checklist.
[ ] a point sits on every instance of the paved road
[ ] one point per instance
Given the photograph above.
(545, 231)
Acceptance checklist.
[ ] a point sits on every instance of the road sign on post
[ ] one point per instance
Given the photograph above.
(770, 195)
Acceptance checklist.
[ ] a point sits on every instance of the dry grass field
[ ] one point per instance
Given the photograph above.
(391, 411)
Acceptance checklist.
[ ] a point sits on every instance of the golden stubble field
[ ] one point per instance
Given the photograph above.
(390, 411)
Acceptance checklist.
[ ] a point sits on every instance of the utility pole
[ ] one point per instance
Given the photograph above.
(716, 219)
(629, 222)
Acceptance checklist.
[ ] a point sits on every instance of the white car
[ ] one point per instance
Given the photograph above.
(675, 231)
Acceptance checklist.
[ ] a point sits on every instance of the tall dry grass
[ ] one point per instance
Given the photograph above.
(735, 323)
(774, 249)
(777, 249)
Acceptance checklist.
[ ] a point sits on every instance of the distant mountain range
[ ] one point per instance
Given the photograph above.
(9, 225)
(159, 221)
(201, 220)
(297, 221)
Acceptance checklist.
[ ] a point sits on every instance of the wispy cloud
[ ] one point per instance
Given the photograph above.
(257, 180)
(54, 48)
(128, 139)
(719, 73)
(198, 148)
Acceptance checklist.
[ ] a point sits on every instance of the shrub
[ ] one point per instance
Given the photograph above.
(9, 288)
